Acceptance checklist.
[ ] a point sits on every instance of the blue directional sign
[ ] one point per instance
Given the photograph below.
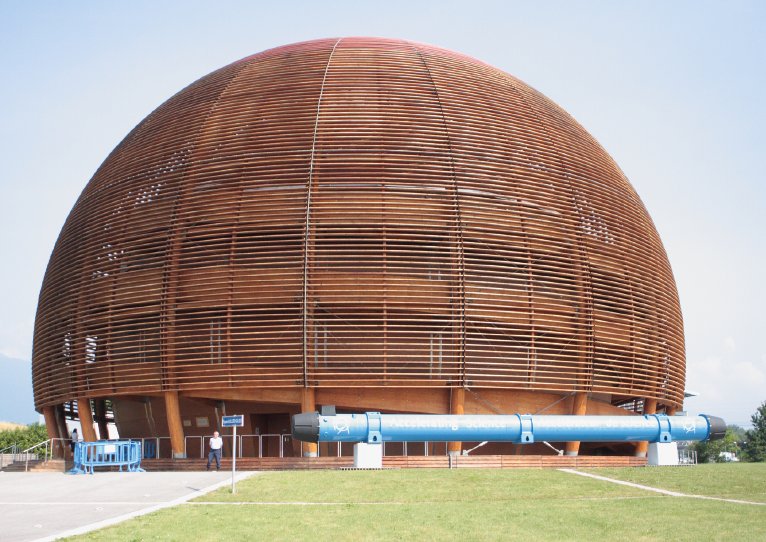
(238, 420)
(233, 421)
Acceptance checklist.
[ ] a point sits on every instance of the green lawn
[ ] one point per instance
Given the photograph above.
(469, 504)
(418, 486)
(746, 481)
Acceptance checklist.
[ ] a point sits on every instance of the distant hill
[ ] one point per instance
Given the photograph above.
(16, 399)
(4, 426)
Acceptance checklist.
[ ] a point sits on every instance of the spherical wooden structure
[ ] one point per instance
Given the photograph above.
(359, 218)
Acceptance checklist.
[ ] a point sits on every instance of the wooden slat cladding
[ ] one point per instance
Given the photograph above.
(358, 212)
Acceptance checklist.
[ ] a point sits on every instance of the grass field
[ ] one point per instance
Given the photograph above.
(468, 504)
(726, 480)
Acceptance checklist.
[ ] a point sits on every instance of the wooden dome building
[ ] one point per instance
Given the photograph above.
(375, 224)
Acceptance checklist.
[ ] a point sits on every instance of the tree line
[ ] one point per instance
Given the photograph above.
(746, 445)
(23, 437)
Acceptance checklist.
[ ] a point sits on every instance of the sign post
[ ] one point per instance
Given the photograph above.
(235, 421)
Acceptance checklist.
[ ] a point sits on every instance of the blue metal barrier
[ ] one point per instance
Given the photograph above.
(150, 449)
(107, 453)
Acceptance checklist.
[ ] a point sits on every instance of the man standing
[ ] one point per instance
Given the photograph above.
(216, 443)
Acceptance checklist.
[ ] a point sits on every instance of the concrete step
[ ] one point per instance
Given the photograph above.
(474, 461)
(37, 465)
(296, 463)
(249, 463)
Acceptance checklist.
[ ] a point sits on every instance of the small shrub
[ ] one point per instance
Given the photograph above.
(23, 437)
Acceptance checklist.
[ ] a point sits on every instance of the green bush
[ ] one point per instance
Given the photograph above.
(755, 445)
(710, 452)
(23, 437)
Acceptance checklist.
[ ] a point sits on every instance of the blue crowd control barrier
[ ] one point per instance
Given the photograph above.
(107, 453)
(150, 449)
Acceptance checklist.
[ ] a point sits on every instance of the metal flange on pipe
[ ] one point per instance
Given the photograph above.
(375, 428)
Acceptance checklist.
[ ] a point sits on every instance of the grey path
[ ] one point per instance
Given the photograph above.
(46, 505)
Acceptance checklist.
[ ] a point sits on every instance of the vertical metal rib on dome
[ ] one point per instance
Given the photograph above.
(309, 186)
(458, 226)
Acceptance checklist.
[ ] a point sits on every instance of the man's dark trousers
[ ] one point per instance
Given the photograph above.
(217, 455)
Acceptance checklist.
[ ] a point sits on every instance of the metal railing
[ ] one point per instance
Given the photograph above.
(283, 440)
(226, 447)
(687, 457)
(427, 445)
(201, 445)
(418, 448)
(8, 450)
(151, 447)
(257, 441)
(12, 447)
(43, 450)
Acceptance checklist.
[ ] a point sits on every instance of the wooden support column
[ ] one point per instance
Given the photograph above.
(85, 414)
(50, 423)
(60, 419)
(175, 425)
(51, 426)
(579, 408)
(650, 407)
(308, 404)
(670, 411)
(103, 430)
(456, 406)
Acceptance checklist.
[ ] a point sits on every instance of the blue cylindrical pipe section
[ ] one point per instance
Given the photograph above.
(373, 427)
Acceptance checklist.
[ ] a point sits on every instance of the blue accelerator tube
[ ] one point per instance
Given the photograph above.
(374, 427)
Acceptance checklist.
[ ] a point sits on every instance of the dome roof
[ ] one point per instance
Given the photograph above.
(358, 212)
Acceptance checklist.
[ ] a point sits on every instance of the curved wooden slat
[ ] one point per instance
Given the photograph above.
(358, 212)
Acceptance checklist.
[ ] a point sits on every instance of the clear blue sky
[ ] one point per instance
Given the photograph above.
(673, 90)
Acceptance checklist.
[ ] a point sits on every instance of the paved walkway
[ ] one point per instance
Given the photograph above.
(49, 505)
